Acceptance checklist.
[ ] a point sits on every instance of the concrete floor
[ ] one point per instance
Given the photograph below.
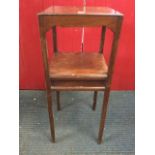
(76, 124)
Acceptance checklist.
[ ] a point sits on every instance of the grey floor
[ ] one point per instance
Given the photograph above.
(76, 124)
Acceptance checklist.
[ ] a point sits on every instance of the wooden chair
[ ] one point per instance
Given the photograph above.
(80, 70)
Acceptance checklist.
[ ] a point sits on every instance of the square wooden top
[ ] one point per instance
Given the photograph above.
(78, 65)
(68, 10)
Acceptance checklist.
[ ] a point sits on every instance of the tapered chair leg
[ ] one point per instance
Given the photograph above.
(51, 115)
(58, 100)
(94, 100)
(103, 114)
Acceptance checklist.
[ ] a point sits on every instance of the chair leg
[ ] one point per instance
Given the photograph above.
(103, 114)
(94, 100)
(58, 100)
(51, 116)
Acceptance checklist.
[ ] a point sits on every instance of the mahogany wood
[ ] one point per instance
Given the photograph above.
(78, 88)
(78, 66)
(103, 30)
(79, 71)
(94, 100)
(103, 114)
(54, 39)
(76, 83)
(51, 116)
(58, 100)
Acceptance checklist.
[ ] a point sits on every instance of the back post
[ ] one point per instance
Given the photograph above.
(103, 31)
(54, 39)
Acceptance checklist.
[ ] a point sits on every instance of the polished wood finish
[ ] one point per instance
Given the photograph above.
(103, 31)
(78, 83)
(94, 100)
(54, 39)
(78, 66)
(103, 114)
(79, 10)
(79, 71)
(78, 16)
(58, 100)
(79, 88)
(51, 116)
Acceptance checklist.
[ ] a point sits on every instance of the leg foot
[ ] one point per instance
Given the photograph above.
(103, 115)
(51, 116)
